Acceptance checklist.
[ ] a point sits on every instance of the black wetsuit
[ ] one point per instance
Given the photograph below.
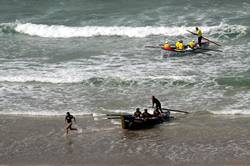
(157, 103)
(69, 118)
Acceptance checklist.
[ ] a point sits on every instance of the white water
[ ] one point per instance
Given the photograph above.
(62, 31)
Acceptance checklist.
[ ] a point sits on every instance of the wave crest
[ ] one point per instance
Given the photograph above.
(62, 31)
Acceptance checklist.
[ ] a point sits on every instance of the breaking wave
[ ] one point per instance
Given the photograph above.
(62, 31)
(107, 81)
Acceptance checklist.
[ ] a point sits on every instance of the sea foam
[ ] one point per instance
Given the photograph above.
(62, 31)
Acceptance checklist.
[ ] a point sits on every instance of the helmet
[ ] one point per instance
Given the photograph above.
(193, 40)
(166, 41)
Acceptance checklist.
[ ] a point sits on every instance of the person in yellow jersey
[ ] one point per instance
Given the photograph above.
(180, 46)
(177, 44)
(192, 44)
(199, 34)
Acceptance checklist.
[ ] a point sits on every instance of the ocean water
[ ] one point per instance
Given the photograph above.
(90, 58)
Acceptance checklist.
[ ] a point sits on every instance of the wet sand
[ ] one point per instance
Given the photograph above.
(189, 140)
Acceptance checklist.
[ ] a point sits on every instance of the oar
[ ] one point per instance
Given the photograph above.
(114, 117)
(191, 32)
(205, 38)
(106, 118)
(113, 114)
(152, 46)
(175, 110)
(211, 41)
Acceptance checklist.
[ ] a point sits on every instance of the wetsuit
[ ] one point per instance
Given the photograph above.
(157, 103)
(69, 118)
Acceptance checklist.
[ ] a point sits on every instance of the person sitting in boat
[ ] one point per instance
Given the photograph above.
(180, 46)
(166, 46)
(192, 44)
(137, 113)
(177, 44)
(156, 113)
(199, 34)
(146, 115)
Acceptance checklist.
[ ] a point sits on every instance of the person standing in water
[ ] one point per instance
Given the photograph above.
(68, 122)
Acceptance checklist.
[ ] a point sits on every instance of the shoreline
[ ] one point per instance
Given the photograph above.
(188, 140)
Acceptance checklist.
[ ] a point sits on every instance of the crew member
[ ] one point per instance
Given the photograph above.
(180, 46)
(192, 44)
(137, 113)
(156, 112)
(68, 122)
(145, 114)
(157, 103)
(177, 44)
(166, 46)
(199, 34)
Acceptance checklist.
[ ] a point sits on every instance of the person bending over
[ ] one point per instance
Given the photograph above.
(157, 103)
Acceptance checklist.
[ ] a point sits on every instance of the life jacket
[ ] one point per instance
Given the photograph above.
(191, 44)
(199, 33)
(180, 46)
(166, 46)
(177, 44)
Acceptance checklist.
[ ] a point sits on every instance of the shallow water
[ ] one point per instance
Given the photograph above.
(190, 140)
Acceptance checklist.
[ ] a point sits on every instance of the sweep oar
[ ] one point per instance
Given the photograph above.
(205, 38)
(175, 110)
(113, 114)
(117, 117)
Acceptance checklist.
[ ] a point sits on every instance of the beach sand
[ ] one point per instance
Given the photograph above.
(188, 140)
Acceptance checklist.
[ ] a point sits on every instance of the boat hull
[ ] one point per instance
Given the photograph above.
(131, 123)
(174, 53)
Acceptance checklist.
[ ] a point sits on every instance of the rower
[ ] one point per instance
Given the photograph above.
(192, 44)
(157, 112)
(137, 113)
(177, 44)
(199, 34)
(145, 114)
(166, 46)
(180, 46)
